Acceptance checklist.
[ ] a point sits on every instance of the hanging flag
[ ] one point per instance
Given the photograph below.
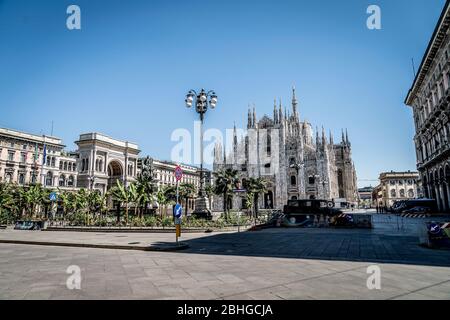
(36, 154)
(45, 154)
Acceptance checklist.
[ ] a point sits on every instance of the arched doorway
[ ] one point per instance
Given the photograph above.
(115, 173)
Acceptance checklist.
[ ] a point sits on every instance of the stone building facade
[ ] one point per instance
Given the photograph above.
(396, 186)
(164, 173)
(97, 164)
(296, 165)
(103, 160)
(429, 98)
(22, 160)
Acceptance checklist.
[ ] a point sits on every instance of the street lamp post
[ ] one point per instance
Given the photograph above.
(202, 101)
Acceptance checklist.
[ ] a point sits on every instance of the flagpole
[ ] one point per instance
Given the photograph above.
(43, 163)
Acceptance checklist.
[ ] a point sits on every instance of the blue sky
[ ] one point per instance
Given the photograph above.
(127, 71)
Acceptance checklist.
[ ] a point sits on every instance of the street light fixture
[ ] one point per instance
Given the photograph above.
(202, 101)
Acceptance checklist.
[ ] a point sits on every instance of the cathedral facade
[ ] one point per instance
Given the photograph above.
(296, 165)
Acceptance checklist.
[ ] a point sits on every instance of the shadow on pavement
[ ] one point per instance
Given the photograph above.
(324, 244)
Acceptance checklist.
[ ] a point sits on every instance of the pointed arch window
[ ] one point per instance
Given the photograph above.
(293, 180)
(269, 144)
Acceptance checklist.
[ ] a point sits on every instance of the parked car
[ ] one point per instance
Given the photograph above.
(404, 205)
(418, 210)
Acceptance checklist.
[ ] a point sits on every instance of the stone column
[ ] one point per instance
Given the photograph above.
(441, 195)
(438, 200)
(447, 189)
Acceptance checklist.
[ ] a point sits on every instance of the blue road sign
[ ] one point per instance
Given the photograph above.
(435, 228)
(178, 211)
(53, 196)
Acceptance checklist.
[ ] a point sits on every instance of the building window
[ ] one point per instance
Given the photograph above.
(8, 177)
(74, 166)
(65, 166)
(60, 165)
(23, 157)
(293, 181)
(393, 193)
(411, 193)
(33, 178)
(62, 181)
(21, 178)
(70, 181)
(402, 193)
(53, 162)
(49, 179)
(48, 161)
(11, 155)
(392, 182)
(311, 180)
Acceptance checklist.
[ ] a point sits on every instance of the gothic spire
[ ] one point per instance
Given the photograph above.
(331, 138)
(294, 104)
(324, 138)
(275, 112)
(254, 116)
(280, 113)
(249, 121)
(346, 137)
(317, 137)
(235, 140)
(343, 138)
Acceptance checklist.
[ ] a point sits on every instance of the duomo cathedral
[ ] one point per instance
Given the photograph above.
(295, 164)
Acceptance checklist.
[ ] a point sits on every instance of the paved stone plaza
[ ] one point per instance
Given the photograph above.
(268, 264)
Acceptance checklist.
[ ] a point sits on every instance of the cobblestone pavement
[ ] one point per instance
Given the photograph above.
(269, 264)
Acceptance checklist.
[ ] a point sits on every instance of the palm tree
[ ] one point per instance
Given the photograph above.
(135, 196)
(66, 201)
(37, 197)
(187, 191)
(170, 194)
(225, 181)
(146, 188)
(256, 186)
(6, 198)
(121, 193)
